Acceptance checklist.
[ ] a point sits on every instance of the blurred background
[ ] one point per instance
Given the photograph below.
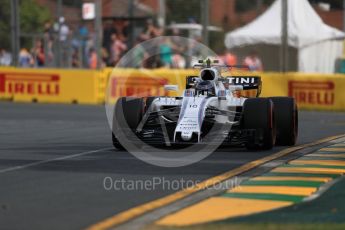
(96, 34)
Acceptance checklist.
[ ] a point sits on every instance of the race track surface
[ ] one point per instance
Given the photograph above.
(49, 179)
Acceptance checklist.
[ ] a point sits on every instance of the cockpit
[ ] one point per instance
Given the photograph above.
(207, 75)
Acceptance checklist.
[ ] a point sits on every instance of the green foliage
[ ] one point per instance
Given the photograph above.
(73, 3)
(32, 18)
(180, 11)
(245, 5)
(268, 2)
(335, 4)
(217, 42)
(5, 24)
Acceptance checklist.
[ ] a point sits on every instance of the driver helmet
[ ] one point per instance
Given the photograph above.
(205, 86)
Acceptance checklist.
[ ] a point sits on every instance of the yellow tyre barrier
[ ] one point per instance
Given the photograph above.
(51, 85)
(312, 91)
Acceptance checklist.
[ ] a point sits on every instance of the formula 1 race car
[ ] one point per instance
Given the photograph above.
(210, 111)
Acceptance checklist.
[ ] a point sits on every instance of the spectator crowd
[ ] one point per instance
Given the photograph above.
(60, 46)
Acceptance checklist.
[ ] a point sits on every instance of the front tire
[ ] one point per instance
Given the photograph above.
(128, 113)
(258, 114)
(116, 142)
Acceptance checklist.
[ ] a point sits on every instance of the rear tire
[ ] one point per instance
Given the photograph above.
(286, 113)
(128, 113)
(258, 114)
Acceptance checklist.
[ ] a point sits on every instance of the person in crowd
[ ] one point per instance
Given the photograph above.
(64, 42)
(178, 61)
(139, 54)
(122, 30)
(90, 43)
(108, 30)
(253, 62)
(165, 52)
(25, 58)
(176, 39)
(92, 59)
(195, 34)
(125, 30)
(5, 57)
(229, 58)
(75, 39)
(117, 48)
(105, 57)
(83, 32)
(48, 30)
(150, 31)
(49, 60)
(38, 53)
(75, 58)
(64, 30)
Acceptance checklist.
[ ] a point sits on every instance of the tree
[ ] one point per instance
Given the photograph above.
(5, 24)
(180, 11)
(32, 18)
(335, 4)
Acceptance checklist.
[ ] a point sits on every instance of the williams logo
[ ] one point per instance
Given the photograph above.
(29, 84)
(312, 92)
(243, 80)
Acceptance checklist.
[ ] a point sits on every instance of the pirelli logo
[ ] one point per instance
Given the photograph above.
(29, 84)
(137, 86)
(312, 92)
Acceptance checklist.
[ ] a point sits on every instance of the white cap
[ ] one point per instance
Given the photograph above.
(61, 19)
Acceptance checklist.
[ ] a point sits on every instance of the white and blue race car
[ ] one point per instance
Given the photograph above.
(210, 111)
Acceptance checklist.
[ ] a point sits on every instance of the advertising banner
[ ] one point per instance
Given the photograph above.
(50, 85)
(311, 91)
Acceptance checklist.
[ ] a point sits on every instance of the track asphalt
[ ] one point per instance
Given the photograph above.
(54, 160)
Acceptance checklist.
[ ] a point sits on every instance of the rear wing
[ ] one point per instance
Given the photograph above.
(247, 82)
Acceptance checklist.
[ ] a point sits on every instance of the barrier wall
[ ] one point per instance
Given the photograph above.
(312, 91)
(51, 85)
(144, 83)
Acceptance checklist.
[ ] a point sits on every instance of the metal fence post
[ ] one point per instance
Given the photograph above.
(98, 34)
(15, 31)
(205, 21)
(284, 53)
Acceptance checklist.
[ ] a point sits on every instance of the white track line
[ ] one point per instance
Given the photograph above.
(51, 160)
